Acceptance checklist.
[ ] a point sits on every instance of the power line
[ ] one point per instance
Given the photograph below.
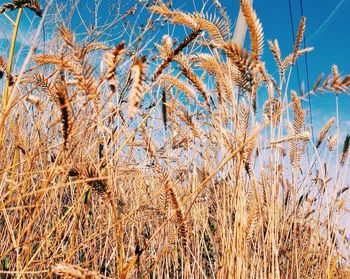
(306, 62)
(296, 63)
(307, 75)
(293, 34)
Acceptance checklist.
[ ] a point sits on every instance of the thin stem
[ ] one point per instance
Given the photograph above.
(12, 51)
(9, 19)
(338, 139)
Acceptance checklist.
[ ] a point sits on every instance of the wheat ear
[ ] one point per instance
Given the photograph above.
(324, 132)
(300, 36)
(332, 141)
(112, 59)
(176, 51)
(345, 152)
(193, 78)
(68, 271)
(136, 91)
(276, 52)
(67, 36)
(184, 87)
(63, 103)
(2, 67)
(255, 28)
(180, 216)
(298, 122)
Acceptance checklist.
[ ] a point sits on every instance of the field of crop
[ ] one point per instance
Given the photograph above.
(165, 154)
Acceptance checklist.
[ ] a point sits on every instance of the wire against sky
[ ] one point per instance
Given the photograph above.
(328, 19)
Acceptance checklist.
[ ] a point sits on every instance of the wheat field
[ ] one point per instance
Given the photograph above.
(169, 156)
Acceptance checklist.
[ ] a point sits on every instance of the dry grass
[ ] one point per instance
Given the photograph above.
(172, 165)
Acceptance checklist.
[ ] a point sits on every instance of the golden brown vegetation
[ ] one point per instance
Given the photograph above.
(176, 169)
